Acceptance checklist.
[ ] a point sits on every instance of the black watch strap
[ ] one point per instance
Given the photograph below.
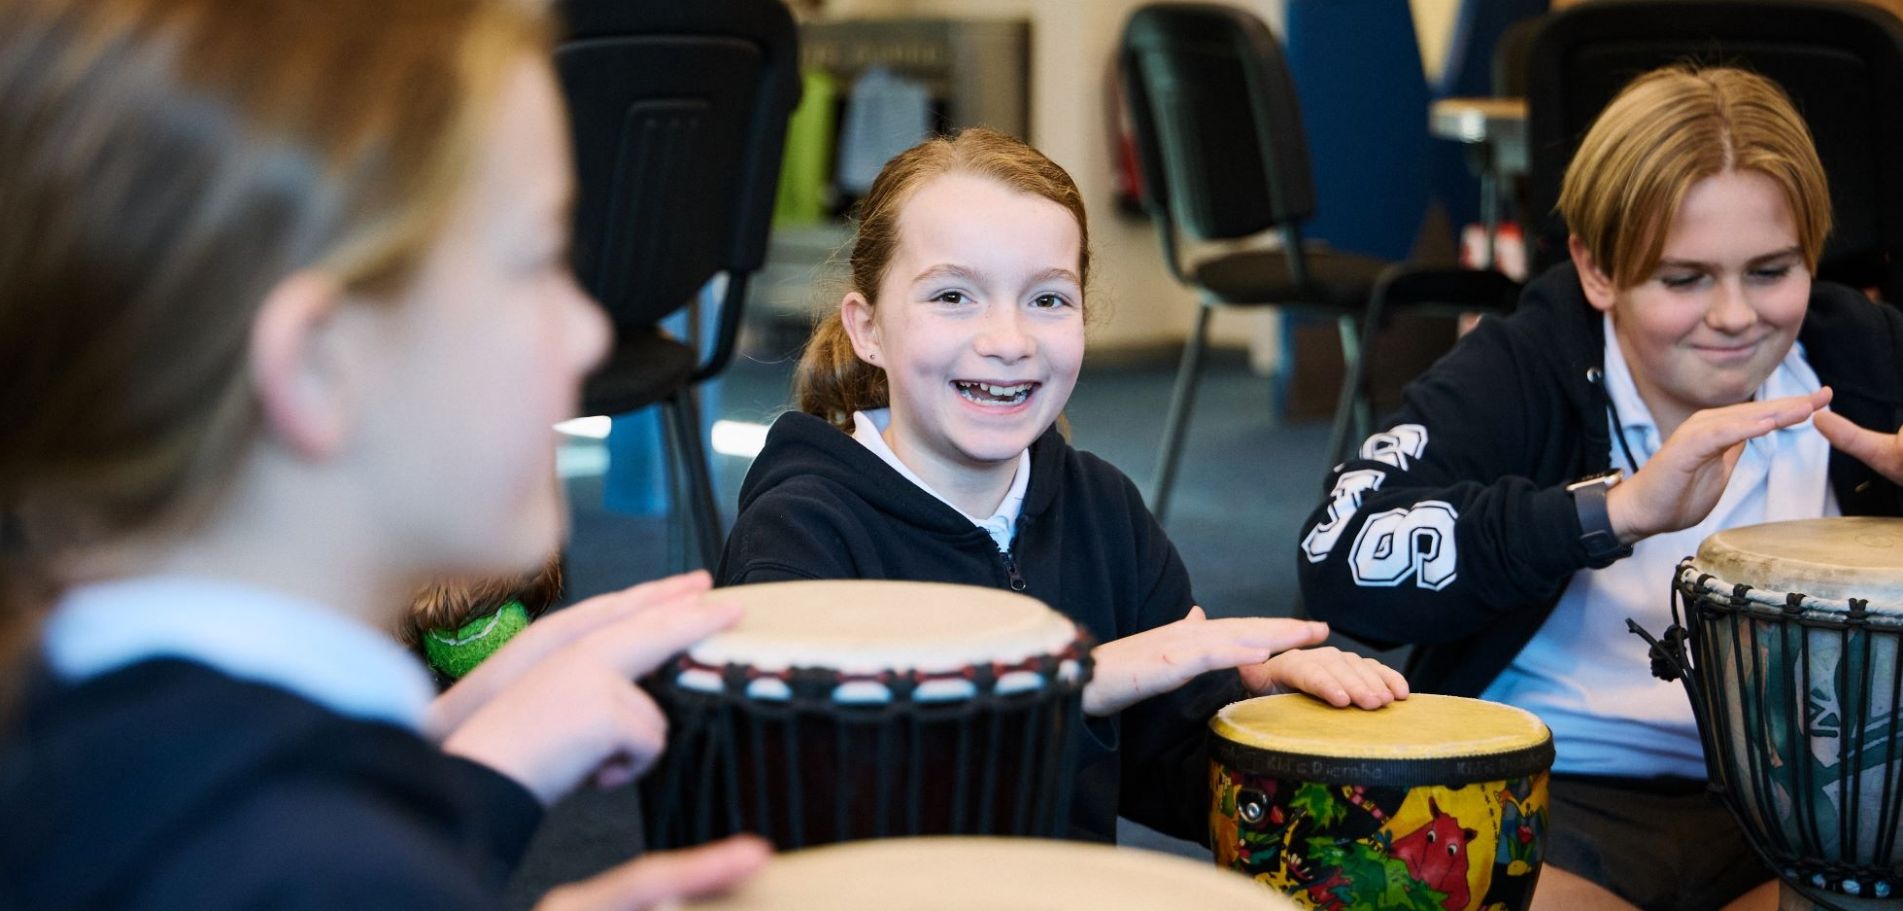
(1595, 523)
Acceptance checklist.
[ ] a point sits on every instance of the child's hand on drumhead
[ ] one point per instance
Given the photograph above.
(1883, 452)
(664, 879)
(576, 715)
(1680, 484)
(1336, 677)
(1155, 661)
(555, 631)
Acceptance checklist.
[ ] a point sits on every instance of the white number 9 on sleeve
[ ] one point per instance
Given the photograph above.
(1399, 543)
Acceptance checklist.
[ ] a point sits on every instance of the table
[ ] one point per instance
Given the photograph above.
(1494, 131)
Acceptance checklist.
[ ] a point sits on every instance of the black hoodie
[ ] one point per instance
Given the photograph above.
(167, 784)
(818, 505)
(1492, 434)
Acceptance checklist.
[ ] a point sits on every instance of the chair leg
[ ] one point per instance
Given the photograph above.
(704, 531)
(1352, 409)
(1182, 402)
(679, 526)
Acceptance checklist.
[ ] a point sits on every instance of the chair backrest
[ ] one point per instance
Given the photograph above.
(1841, 62)
(1512, 55)
(1480, 26)
(678, 111)
(1217, 126)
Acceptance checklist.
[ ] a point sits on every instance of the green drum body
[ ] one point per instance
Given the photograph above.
(1788, 637)
(1434, 803)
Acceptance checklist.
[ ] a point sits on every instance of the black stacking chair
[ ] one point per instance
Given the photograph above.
(678, 111)
(1223, 157)
(1841, 61)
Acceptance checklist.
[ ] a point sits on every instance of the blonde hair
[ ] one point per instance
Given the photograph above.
(163, 165)
(831, 381)
(1665, 132)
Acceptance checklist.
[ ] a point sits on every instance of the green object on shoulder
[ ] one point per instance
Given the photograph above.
(456, 652)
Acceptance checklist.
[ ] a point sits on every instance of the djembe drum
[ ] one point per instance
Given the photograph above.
(842, 710)
(1432, 802)
(1786, 636)
(988, 874)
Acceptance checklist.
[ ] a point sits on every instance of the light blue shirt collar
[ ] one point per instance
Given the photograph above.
(249, 633)
(1792, 376)
(1580, 673)
(869, 429)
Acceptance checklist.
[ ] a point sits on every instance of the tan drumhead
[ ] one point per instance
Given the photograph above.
(1835, 559)
(1422, 726)
(990, 874)
(859, 626)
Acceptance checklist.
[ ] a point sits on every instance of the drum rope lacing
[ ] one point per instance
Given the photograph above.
(1854, 613)
(689, 807)
(1671, 659)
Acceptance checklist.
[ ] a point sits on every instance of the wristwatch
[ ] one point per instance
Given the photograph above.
(1595, 523)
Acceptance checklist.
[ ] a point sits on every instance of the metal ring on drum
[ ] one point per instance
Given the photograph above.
(1429, 802)
(852, 709)
(1786, 636)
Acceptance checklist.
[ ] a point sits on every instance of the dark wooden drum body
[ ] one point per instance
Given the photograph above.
(1787, 639)
(1434, 803)
(856, 709)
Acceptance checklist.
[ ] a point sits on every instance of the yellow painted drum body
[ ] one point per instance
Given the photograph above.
(1788, 643)
(988, 874)
(1433, 803)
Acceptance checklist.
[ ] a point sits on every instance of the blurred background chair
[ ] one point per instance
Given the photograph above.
(1224, 158)
(678, 114)
(1841, 61)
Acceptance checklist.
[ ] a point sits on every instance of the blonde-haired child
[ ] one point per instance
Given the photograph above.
(287, 318)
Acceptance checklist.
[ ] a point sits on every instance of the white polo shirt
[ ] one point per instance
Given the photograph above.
(246, 632)
(868, 427)
(1584, 673)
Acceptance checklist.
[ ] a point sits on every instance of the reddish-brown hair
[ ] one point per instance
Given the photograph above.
(831, 381)
(449, 604)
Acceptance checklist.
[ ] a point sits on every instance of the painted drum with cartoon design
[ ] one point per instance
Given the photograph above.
(1433, 803)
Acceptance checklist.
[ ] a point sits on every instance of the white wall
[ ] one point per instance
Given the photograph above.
(1072, 45)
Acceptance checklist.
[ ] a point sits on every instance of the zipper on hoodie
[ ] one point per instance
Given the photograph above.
(1011, 571)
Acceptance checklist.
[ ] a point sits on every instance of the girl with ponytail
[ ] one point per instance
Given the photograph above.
(925, 448)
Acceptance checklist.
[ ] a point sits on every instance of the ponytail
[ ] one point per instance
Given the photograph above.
(831, 381)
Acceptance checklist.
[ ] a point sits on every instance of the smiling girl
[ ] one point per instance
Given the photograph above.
(926, 448)
(1539, 484)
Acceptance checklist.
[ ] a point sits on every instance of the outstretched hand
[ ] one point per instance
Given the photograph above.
(664, 879)
(1136, 667)
(1336, 677)
(1679, 485)
(576, 715)
(1883, 452)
